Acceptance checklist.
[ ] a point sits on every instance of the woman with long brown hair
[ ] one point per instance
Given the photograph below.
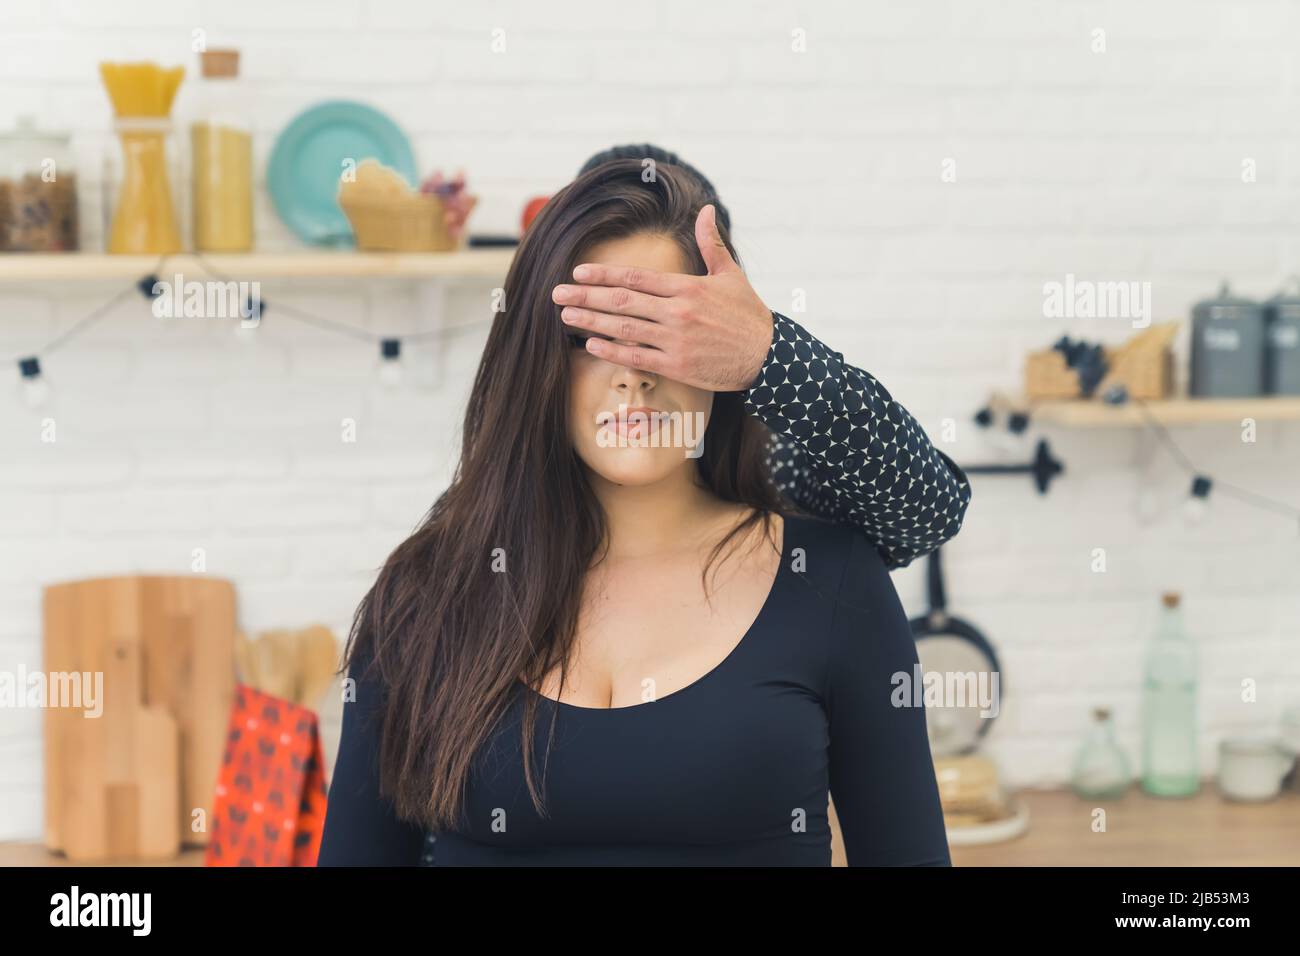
(611, 641)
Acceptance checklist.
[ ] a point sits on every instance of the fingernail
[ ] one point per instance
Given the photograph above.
(582, 272)
(567, 314)
(561, 293)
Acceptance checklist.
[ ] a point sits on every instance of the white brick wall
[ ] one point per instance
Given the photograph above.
(1119, 165)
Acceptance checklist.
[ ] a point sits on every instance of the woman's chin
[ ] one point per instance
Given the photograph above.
(636, 466)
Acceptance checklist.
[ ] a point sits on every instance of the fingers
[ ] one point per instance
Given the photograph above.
(630, 356)
(639, 280)
(624, 327)
(620, 301)
(716, 255)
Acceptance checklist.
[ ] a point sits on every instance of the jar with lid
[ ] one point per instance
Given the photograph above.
(1227, 347)
(1282, 354)
(221, 157)
(38, 190)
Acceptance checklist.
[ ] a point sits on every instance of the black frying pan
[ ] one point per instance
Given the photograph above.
(954, 643)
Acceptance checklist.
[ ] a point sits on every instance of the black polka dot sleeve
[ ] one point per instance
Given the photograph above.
(843, 449)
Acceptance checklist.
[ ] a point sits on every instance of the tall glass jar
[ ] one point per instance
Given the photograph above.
(221, 158)
(38, 190)
(140, 179)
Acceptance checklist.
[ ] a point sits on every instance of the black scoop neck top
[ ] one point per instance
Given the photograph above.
(734, 769)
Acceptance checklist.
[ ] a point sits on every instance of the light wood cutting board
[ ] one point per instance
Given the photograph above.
(189, 652)
(126, 784)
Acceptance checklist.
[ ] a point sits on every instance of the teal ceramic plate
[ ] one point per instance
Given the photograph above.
(309, 156)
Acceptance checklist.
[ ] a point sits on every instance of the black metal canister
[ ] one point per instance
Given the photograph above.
(1282, 351)
(1227, 347)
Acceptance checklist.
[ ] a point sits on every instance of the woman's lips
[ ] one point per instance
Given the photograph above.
(632, 422)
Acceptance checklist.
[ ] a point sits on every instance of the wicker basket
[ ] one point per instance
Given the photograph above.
(1144, 365)
(1048, 378)
(412, 223)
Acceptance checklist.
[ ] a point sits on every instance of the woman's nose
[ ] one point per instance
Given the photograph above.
(633, 378)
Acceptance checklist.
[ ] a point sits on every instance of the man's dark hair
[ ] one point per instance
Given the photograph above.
(660, 155)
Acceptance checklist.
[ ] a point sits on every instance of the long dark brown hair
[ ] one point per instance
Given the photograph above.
(487, 589)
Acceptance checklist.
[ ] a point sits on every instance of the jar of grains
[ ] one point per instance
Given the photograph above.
(38, 190)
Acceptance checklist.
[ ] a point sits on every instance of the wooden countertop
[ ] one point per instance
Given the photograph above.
(34, 854)
(1203, 830)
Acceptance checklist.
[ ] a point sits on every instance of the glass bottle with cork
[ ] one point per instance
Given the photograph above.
(1101, 770)
(221, 153)
(1170, 765)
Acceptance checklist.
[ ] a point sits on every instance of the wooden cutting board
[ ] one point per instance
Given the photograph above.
(110, 808)
(127, 784)
(150, 795)
(189, 653)
(77, 747)
(111, 776)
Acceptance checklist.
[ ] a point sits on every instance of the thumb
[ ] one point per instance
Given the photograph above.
(712, 248)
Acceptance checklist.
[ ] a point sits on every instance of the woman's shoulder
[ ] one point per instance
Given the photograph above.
(848, 572)
(830, 550)
(854, 625)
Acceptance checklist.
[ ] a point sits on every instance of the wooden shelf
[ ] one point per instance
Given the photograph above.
(72, 266)
(1174, 411)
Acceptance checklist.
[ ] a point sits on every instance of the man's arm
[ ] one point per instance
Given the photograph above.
(843, 449)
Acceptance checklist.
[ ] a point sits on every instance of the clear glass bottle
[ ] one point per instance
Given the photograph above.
(1101, 771)
(221, 158)
(1170, 765)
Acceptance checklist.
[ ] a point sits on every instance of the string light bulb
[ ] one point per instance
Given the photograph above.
(148, 286)
(33, 387)
(1017, 432)
(390, 362)
(1197, 500)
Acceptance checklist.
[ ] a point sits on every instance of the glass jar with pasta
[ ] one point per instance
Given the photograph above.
(221, 158)
(140, 175)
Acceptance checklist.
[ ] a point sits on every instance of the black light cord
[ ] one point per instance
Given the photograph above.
(143, 285)
(343, 328)
(1241, 494)
(85, 322)
(1044, 468)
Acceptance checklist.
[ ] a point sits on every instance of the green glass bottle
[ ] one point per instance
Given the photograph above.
(1170, 766)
